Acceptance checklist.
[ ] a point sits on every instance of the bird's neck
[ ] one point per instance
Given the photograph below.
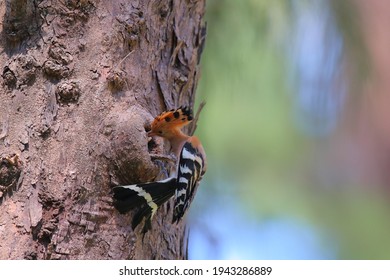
(177, 140)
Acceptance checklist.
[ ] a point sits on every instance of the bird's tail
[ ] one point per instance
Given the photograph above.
(146, 197)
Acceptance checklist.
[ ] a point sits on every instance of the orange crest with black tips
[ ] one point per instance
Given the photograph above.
(169, 120)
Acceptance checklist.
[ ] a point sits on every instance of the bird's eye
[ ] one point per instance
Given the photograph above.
(160, 132)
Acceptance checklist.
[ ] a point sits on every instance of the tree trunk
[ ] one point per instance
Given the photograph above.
(81, 81)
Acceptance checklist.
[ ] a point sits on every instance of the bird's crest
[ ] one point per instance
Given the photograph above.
(175, 118)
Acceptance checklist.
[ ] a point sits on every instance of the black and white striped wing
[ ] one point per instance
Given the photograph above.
(191, 168)
(145, 197)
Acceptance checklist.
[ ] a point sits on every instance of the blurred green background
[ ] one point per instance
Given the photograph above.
(296, 129)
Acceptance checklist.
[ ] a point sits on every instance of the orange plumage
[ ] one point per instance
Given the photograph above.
(168, 125)
(170, 120)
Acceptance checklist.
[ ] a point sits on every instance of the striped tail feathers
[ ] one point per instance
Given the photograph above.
(146, 197)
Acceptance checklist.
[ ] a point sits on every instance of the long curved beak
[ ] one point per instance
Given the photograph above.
(150, 134)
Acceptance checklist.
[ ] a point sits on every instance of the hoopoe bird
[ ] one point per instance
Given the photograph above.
(190, 167)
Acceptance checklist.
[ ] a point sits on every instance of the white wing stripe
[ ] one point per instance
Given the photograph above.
(145, 195)
(183, 180)
(180, 193)
(185, 169)
(186, 154)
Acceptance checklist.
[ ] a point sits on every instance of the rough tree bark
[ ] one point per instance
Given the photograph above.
(81, 81)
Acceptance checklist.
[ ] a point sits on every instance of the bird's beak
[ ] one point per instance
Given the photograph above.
(150, 134)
